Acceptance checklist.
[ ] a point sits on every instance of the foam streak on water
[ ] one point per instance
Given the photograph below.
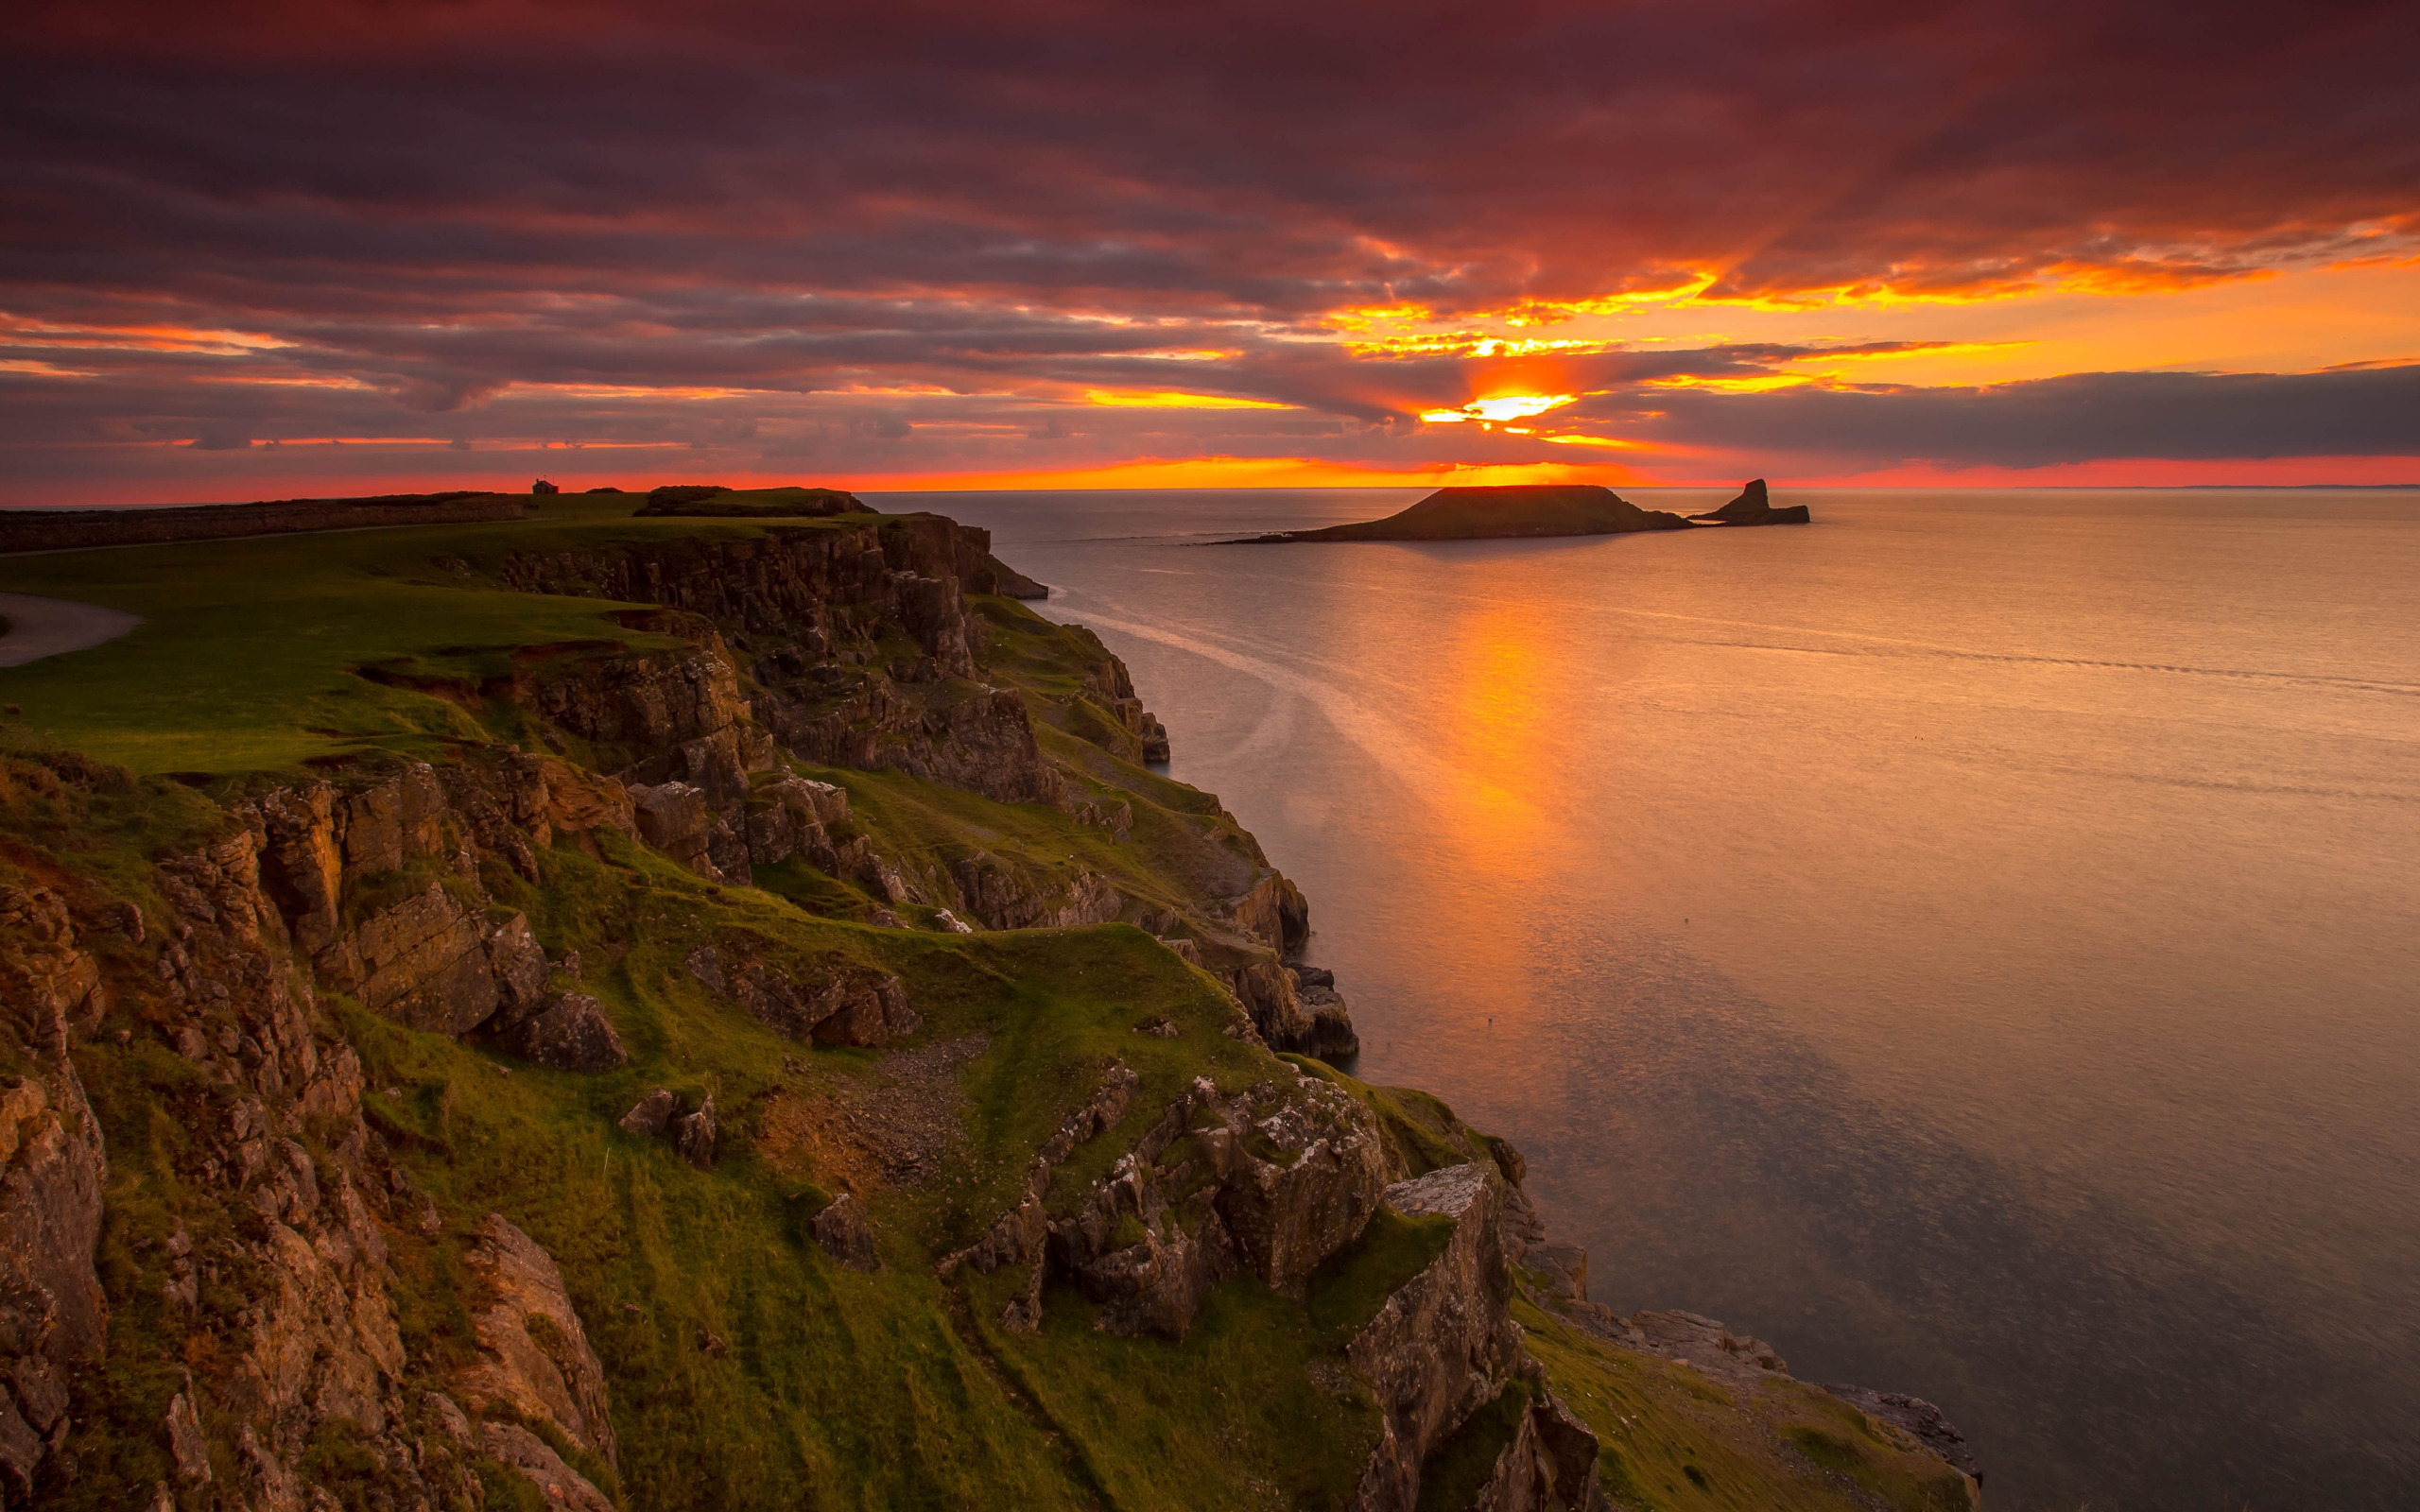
(1970, 942)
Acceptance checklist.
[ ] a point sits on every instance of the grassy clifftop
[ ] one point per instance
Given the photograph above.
(293, 1246)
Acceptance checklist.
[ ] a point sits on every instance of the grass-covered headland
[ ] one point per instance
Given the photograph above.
(615, 1007)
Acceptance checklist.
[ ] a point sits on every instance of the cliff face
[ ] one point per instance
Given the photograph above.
(470, 1132)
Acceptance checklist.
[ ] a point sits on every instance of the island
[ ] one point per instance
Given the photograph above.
(1754, 508)
(1514, 511)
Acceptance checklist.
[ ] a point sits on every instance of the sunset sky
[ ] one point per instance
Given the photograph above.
(271, 250)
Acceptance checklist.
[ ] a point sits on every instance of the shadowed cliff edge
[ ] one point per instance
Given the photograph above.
(634, 1009)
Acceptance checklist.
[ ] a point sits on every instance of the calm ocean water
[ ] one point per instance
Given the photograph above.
(1973, 943)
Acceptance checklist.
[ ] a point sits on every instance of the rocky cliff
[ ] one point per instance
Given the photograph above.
(660, 1100)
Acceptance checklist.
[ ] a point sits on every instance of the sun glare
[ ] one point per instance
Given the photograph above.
(1500, 408)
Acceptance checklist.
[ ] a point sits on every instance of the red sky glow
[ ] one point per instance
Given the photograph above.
(266, 250)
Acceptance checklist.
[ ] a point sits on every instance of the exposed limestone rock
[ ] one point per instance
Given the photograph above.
(1445, 1343)
(1272, 1180)
(435, 963)
(983, 741)
(1266, 989)
(187, 1445)
(847, 1007)
(1154, 737)
(1701, 1342)
(843, 1232)
(1275, 913)
(951, 924)
(1331, 1034)
(569, 1033)
(52, 1313)
(673, 818)
(48, 978)
(693, 1135)
(931, 609)
(1003, 898)
(1550, 1466)
(1019, 1236)
(534, 1359)
(787, 819)
(1186, 949)
(316, 1343)
(650, 1114)
(524, 1452)
(1917, 1417)
(679, 715)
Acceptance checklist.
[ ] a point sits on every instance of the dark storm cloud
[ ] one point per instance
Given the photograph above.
(2360, 412)
(412, 211)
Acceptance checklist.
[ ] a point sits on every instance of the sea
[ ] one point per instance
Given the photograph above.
(1971, 942)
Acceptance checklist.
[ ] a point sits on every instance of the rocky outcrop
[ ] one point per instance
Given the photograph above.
(534, 1362)
(1550, 1465)
(673, 818)
(1308, 1021)
(434, 961)
(314, 1344)
(1272, 1181)
(568, 1032)
(1755, 507)
(53, 1315)
(436, 958)
(843, 1231)
(815, 605)
(850, 1006)
(694, 1134)
(1003, 897)
(1920, 1419)
(1275, 912)
(1445, 1343)
(524, 1453)
(982, 742)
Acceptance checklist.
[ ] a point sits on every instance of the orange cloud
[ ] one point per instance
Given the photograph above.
(1246, 472)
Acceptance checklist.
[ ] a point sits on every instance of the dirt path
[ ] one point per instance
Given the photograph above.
(46, 626)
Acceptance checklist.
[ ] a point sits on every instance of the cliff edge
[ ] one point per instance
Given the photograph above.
(612, 1012)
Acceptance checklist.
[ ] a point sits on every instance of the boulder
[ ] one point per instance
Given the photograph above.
(651, 1114)
(843, 1233)
(693, 1135)
(569, 1033)
(673, 817)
